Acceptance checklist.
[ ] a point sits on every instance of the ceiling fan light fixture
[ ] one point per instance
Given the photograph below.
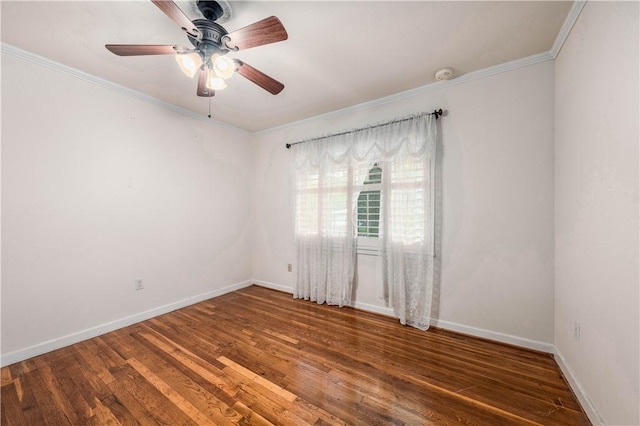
(210, 41)
(216, 83)
(223, 67)
(189, 63)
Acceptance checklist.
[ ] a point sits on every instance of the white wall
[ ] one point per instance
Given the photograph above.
(497, 206)
(100, 189)
(596, 196)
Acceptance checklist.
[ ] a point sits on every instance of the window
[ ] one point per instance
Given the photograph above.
(411, 201)
(371, 192)
(368, 219)
(321, 202)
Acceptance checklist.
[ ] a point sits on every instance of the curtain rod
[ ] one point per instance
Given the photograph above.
(437, 113)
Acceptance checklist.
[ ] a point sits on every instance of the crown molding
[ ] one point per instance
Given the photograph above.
(474, 75)
(568, 24)
(56, 66)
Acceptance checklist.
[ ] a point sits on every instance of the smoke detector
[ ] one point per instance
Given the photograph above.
(444, 74)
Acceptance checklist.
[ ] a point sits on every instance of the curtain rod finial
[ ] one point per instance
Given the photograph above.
(437, 112)
(288, 145)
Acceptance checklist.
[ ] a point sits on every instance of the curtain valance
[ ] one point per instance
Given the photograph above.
(414, 136)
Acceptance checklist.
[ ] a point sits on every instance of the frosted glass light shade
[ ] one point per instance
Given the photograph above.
(223, 67)
(216, 83)
(189, 63)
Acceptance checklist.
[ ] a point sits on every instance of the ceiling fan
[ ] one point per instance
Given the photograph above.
(211, 43)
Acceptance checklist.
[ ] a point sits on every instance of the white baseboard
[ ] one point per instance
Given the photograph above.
(273, 286)
(363, 306)
(70, 339)
(494, 335)
(578, 390)
(382, 310)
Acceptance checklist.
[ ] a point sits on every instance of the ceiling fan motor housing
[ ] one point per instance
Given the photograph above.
(211, 10)
(211, 40)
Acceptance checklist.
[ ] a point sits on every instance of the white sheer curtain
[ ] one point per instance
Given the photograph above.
(324, 232)
(408, 239)
(328, 174)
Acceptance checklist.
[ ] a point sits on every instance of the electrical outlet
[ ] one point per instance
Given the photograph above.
(138, 285)
(576, 331)
(289, 267)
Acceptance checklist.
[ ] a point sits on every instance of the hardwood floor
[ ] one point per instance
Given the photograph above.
(257, 356)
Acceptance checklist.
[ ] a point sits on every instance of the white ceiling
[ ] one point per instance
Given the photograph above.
(338, 54)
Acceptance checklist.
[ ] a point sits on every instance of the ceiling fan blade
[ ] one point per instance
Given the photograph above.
(144, 49)
(268, 30)
(203, 90)
(261, 79)
(173, 11)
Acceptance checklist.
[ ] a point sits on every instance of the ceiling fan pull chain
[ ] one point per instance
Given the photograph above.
(209, 107)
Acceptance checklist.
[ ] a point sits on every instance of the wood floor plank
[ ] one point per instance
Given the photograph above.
(266, 404)
(190, 360)
(90, 355)
(103, 416)
(258, 379)
(6, 377)
(210, 400)
(185, 406)
(274, 406)
(63, 373)
(88, 380)
(524, 406)
(259, 357)
(10, 410)
(59, 397)
(41, 397)
(122, 397)
(160, 408)
(251, 417)
(112, 408)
